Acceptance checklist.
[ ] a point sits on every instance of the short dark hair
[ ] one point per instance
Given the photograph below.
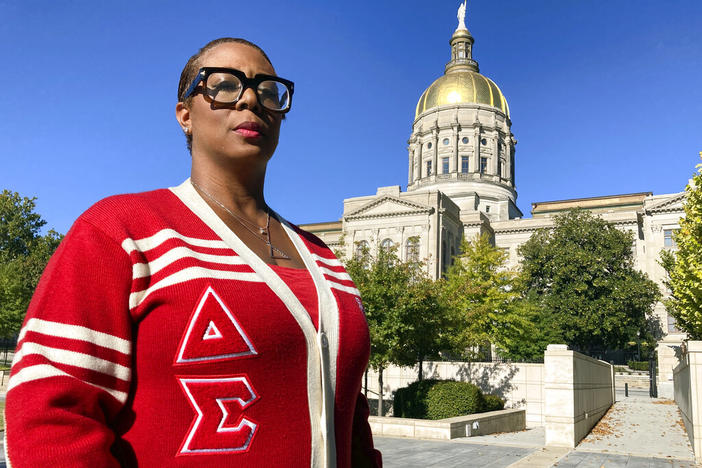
(193, 65)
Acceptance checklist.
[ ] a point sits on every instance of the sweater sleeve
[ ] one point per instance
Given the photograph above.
(363, 454)
(72, 367)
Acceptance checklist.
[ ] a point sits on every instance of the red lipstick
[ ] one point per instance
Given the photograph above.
(249, 129)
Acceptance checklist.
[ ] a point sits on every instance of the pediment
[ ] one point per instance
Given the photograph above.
(388, 206)
(674, 203)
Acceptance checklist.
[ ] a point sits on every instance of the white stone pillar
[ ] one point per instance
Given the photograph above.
(578, 391)
(559, 404)
(694, 355)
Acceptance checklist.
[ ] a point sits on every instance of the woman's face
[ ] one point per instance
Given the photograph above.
(243, 132)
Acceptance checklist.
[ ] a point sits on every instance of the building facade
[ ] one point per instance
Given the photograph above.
(461, 183)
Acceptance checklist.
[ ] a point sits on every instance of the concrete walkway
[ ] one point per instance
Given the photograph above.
(638, 432)
(641, 426)
(411, 453)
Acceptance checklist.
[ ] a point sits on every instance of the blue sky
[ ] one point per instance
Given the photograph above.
(605, 96)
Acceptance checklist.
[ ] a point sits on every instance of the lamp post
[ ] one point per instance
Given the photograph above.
(638, 345)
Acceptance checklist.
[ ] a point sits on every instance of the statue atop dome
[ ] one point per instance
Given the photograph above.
(462, 16)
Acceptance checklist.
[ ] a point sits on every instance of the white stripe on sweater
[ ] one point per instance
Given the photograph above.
(336, 274)
(141, 270)
(76, 332)
(189, 274)
(347, 289)
(148, 243)
(44, 371)
(74, 358)
(328, 261)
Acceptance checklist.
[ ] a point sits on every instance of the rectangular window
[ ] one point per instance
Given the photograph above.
(444, 165)
(483, 165)
(428, 168)
(668, 240)
(464, 164)
(500, 165)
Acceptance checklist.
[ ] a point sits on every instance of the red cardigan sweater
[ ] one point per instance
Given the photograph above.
(156, 338)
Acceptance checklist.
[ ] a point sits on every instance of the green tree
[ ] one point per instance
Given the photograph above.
(483, 297)
(405, 318)
(24, 253)
(684, 267)
(580, 274)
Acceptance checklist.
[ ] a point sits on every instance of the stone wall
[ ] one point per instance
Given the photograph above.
(509, 420)
(687, 381)
(519, 384)
(578, 391)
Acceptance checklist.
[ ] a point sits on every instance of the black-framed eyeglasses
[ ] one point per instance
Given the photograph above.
(226, 85)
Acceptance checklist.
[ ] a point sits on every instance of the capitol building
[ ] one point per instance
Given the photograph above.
(461, 183)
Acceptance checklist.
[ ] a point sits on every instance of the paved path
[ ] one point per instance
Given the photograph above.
(409, 453)
(582, 459)
(641, 426)
(638, 432)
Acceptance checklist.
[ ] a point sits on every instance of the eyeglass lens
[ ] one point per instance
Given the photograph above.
(227, 88)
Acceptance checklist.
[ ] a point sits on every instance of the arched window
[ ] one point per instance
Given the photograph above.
(386, 245)
(361, 249)
(412, 249)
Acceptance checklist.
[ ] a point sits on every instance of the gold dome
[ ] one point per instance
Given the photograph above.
(462, 87)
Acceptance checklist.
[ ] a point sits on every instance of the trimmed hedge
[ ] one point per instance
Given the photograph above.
(448, 399)
(494, 403)
(439, 399)
(411, 401)
(638, 365)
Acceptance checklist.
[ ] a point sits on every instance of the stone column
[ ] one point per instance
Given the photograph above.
(456, 160)
(508, 160)
(410, 171)
(420, 160)
(494, 158)
(476, 149)
(435, 153)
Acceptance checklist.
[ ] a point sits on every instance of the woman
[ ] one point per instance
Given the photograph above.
(192, 326)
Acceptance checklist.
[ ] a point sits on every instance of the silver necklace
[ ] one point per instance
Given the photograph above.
(264, 233)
